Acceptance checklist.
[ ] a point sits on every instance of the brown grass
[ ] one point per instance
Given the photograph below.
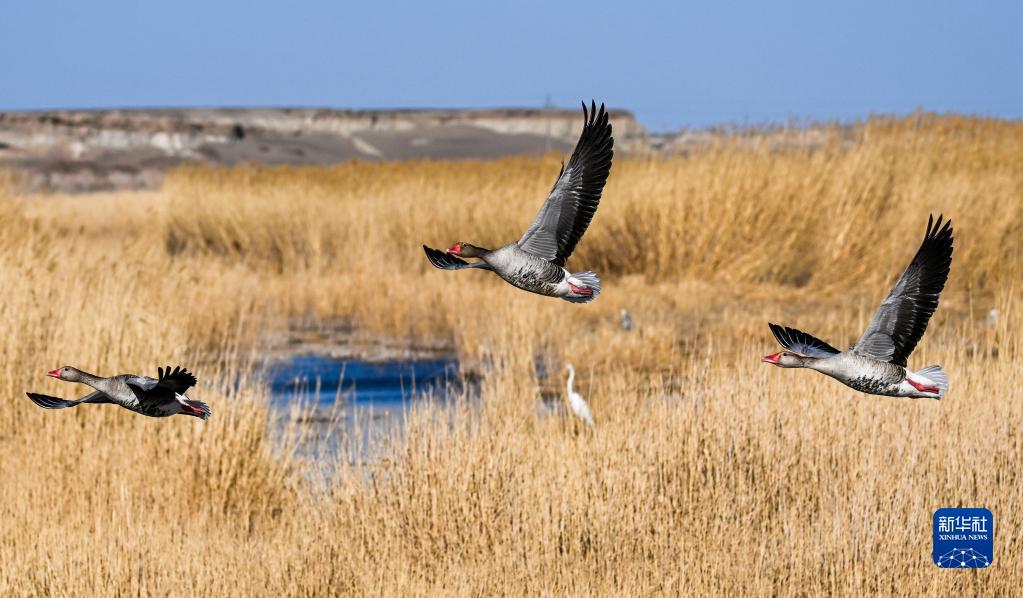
(707, 472)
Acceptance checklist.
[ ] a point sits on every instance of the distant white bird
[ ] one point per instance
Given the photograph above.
(992, 316)
(576, 400)
(626, 320)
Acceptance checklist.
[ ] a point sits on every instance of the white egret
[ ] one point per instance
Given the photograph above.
(576, 401)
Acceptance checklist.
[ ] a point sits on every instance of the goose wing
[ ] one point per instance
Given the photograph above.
(800, 342)
(572, 202)
(48, 402)
(446, 261)
(177, 380)
(901, 320)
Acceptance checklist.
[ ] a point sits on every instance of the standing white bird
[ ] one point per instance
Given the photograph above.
(576, 400)
(626, 320)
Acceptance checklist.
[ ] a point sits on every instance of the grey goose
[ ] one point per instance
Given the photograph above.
(155, 397)
(536, 262)
(876, 364)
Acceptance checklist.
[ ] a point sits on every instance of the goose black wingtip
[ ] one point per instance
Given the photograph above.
(442, 260)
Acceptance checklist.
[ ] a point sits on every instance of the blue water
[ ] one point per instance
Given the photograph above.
(387, 384)
(352, 408)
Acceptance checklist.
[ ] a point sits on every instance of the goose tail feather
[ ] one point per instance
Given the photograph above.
(588, 282)
(937, 375)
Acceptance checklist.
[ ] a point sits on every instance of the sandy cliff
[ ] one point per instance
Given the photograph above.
(109, 149)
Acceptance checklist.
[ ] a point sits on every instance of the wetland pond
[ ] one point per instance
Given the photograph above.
(348, 407)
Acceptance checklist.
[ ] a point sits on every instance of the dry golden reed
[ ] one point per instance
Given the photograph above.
(707, 471)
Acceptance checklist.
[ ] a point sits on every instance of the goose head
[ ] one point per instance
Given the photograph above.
(66, 373)
(784, 359)
(461, 249)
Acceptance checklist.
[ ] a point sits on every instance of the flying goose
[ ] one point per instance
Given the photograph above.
(536, 262)
(877, 363)
(161, 397)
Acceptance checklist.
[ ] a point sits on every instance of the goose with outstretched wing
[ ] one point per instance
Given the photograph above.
(155, 397)
(877, 363)
(536, 262)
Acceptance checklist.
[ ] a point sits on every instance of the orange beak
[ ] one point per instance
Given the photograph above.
(771, 358)
(53, 373)
(455, 249)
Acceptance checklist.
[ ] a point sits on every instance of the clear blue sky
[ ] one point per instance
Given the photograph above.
(673, 63)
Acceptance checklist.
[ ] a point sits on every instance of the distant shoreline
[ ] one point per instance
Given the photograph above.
(82, 151)
(98, 150)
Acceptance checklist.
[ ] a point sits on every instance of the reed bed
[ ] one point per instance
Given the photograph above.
(707, 472)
